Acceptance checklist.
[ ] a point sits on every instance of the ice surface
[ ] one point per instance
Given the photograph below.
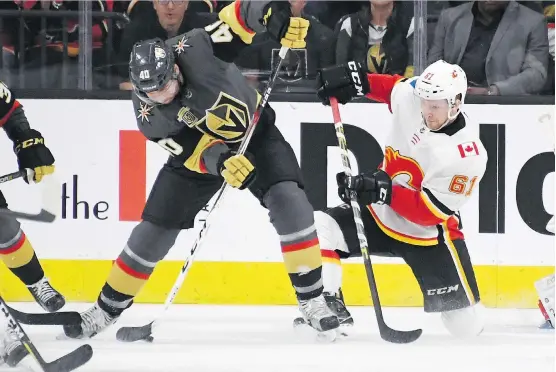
(197, 338)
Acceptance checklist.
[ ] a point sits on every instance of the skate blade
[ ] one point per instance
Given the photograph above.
(342, 331)
(305, 331)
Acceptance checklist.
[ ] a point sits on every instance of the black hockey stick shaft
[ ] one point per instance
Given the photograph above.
(12, 176)
(387, 333)
(50, 199)
(66, 363)
(131, 334)
(59, 318)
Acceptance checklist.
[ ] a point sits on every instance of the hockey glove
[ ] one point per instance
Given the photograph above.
(282, 27)
(344, 82)
(375, 188)
(32, 154)
(237, 170)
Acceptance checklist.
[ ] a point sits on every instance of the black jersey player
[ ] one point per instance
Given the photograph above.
(191, 99)
(16, 251)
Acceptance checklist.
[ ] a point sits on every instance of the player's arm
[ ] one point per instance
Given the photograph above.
(186, 145)
(440, 197)
(242, 19)
(349, 81)
(197, 151)
(29, 145)
(442, 194)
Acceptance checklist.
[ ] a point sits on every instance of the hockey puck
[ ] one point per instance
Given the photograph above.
(299, 321)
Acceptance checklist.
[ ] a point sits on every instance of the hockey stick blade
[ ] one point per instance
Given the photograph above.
(61, 318)
(398, 337)
(42, 216)
(51, 203)
(71, 361)
(132, 334)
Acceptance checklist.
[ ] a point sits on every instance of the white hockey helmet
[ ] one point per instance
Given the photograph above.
(442, 80)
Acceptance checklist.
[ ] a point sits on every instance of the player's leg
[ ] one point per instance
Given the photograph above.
(446, 278)
(338, 240)
(279, 187)
(18, 255)
(175, 199)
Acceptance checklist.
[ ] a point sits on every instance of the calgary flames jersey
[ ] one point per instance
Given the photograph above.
(433, 172)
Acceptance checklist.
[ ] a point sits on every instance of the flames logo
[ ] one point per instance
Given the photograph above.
(395, 165)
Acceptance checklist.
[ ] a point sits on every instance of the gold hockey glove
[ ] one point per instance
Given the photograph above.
(237, 170)
(289, 31)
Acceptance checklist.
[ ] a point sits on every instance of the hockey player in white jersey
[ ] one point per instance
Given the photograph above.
(433, 162)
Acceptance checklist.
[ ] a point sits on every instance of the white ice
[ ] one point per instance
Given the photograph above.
(197, 338)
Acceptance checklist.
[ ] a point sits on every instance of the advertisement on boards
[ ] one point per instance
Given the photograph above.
(107, 168)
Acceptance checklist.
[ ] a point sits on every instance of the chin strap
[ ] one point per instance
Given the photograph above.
(448, 121)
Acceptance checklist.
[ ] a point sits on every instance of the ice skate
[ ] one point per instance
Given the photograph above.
(336, 303)
(318, 315)
(94, 321)
(12, 350)
(46, 296)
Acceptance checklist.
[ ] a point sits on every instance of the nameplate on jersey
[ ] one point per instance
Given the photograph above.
(226, 120)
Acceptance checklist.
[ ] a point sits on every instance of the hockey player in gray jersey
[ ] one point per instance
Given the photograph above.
(16, 251)
(194, 102)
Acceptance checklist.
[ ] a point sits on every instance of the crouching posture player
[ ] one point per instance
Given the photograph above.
(195, 103)
(15, 249)
(433, 163)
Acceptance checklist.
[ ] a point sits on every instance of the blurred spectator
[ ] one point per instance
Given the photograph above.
(379, 36)
(143, 7)
(330, 12)
(549, 15)
(501, 45)
(159, 18)
(26, 47)
(299, 63)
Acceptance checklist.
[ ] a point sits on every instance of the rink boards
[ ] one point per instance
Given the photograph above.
(107, 169)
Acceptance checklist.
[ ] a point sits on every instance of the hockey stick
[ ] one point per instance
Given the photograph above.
(387, 333)
(12, 176)
(66, 363)
(59, 318)
(50, 198)
(131, 334)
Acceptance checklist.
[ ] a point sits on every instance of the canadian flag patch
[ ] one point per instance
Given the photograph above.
(468, 149)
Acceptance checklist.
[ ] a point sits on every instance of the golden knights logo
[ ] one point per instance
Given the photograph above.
(226, 120)
(376, 61)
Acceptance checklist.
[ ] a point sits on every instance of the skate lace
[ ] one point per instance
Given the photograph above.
(94, 319)
(335, 304)
(12, 341)
(316, 308)
(43, 290)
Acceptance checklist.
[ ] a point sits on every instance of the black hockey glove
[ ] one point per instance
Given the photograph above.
(344, 82)
(282, 27)
(237, 170)
(32, 154)
(375, 188)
